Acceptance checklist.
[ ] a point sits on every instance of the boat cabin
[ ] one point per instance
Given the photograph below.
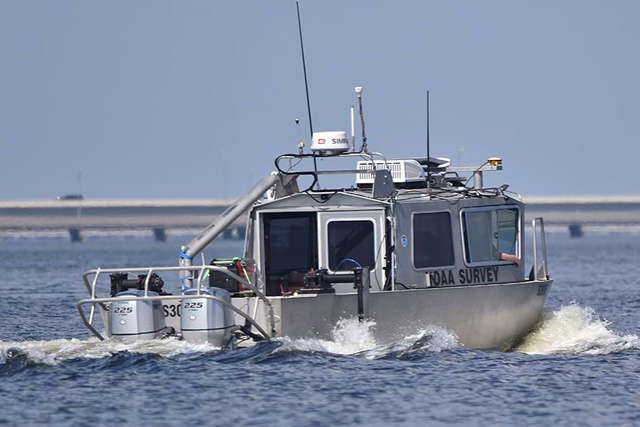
(410, 237)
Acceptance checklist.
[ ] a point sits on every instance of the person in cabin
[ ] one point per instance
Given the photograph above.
(509, 257)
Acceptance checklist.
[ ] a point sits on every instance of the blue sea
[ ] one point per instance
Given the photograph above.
(581, 366)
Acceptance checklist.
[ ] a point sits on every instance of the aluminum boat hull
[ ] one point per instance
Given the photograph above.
(492, 316)
(488, 316)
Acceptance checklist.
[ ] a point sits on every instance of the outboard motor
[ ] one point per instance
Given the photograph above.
(204, 320)
(136, 320)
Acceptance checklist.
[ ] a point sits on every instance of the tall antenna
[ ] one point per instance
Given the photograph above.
(304, 69)
(428, 147)
(358, 90)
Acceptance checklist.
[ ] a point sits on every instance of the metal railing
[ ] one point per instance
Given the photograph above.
(368, 156)
(91, 286)
(539, 273)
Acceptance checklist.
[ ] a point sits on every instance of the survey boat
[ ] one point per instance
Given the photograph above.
(411, 243)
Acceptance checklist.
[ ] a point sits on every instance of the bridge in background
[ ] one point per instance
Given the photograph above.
(157, 217)
(99, 217)
(585, 210)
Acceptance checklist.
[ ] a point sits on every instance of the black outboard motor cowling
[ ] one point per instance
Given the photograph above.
(120, 282)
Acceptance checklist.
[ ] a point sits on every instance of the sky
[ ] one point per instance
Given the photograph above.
(194, 99)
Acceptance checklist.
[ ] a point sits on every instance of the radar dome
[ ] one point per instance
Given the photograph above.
(329, 143)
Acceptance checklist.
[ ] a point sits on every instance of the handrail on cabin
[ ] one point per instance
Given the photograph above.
(539, 273)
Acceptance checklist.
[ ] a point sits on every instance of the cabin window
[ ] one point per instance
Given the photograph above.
(488, 233)
(290, 249)
(351, 241)
(432, 240)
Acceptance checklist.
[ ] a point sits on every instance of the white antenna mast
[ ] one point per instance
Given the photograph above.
(353, 128)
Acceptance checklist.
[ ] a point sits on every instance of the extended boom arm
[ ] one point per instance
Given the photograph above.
(195, 246)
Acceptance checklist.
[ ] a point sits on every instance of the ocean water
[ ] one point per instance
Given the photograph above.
(580, 366)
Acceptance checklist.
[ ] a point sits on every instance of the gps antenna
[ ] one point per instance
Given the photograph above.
(304, 69)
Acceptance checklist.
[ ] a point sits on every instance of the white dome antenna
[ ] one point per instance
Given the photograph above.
(329, 143)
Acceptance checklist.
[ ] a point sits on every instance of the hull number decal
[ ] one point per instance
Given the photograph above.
(171, 310)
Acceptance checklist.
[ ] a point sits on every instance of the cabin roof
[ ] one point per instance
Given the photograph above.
(362, 198)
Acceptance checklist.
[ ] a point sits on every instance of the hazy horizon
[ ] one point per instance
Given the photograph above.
(194, 99)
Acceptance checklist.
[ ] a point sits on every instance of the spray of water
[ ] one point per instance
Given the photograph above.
(349, 336)
(575, 330)
(352, 337)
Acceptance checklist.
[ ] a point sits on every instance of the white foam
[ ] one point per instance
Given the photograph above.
(56, 351)
(575, 330)
(351, 336)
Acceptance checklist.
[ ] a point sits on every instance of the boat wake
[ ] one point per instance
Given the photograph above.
(571, 329)
(349, 337)
(577, 330)
(18, 355)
